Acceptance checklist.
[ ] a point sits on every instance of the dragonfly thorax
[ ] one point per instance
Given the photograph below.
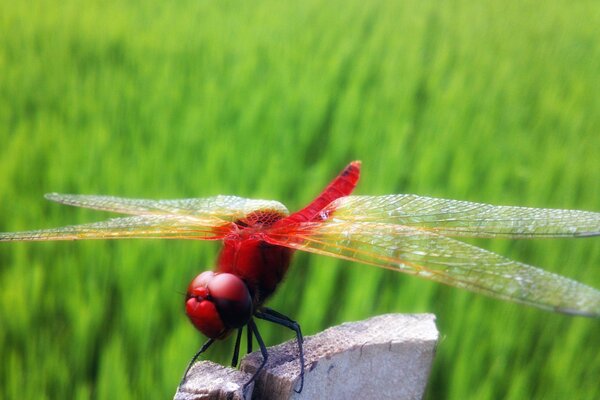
(216, 303)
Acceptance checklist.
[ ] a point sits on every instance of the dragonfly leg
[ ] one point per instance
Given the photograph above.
(249, 340)
(273, 316)
(263, 350)
(193, 360)
(236, 349)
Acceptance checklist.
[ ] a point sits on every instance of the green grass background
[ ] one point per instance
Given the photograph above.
(495, 101)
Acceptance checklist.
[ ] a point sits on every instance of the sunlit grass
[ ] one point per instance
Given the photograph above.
(492, 101)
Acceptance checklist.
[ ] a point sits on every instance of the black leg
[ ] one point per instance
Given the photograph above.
(249, 340)
(236, 349)
(263, 350)
(273, 316)
(270, 311)
(193, 360)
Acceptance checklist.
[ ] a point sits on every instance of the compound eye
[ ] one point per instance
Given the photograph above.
(205, 317)
(217, 303)
(198, 285)
(232, 298)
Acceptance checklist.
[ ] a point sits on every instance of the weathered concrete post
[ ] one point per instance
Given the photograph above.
(384, 357)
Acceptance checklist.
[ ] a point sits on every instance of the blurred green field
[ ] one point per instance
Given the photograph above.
(484, 101)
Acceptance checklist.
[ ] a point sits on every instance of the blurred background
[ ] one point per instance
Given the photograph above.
(486, 101)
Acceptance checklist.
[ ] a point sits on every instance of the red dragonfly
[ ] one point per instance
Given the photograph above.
(402, 232)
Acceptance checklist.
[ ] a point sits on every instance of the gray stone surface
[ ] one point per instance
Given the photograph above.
(385, 357)
(207, 380)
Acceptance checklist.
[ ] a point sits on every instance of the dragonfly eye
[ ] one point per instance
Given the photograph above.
(217, 303)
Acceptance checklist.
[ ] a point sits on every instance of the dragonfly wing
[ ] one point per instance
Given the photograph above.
(463, 218)
(202, 218)
(227, 208)
(430, 255)
(147, 226)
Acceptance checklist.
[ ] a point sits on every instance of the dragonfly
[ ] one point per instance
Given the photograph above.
(408, 233)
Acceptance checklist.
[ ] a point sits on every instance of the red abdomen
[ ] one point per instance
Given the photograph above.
(341, 186)
(262, 265)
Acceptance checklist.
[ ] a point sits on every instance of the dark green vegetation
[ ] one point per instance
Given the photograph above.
(486, 101)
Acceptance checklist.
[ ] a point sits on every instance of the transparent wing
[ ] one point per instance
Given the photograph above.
(150, 226)
(425, 253)
(204, 218)
(228, 208)
(464, 219)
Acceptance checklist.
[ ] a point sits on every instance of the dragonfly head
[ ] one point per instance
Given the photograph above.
(216, 303)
